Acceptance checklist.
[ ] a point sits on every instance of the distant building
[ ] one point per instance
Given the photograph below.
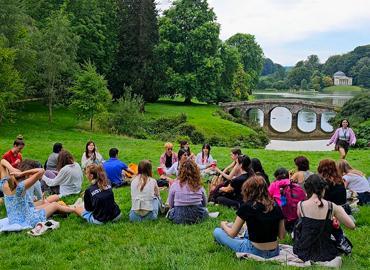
(341, 79)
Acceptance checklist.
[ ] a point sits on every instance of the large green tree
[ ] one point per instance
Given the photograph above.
(90, 95)
(251, 55)
(364, 76)
(56, 64)
(11, 85)
(188, 49)
(138, 35)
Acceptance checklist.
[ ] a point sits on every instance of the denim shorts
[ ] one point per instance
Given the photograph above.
(90, 218)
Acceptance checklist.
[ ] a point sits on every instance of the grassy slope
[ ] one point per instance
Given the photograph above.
(154, 245)
(342, 88)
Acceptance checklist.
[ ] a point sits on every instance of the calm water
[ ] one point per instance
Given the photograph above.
(281, 118)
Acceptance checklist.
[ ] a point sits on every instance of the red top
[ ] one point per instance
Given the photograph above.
(11, 158)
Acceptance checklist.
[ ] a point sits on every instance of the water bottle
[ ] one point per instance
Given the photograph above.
(282, 197)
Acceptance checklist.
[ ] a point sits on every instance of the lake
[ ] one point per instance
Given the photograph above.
(281, 118)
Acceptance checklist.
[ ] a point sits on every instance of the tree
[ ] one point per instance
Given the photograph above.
(327, 81)
(189, 51)
(364, 76)
(297, 74)
(251, 55)
(138, 35)
(90, 95)
(56, 56)
(240, 84)
(304, 84)
(11, 85)
(96, 23)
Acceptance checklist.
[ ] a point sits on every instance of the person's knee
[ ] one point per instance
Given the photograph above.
(217, 233)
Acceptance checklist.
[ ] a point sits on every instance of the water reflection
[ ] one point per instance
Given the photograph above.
(256, 116)
(281, 119)
(325, 125)
(307, 120)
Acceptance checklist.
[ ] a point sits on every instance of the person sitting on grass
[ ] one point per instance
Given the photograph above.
(185, 145)
(231, 194)
(69, 178)
(355, 180)
(144, 194)
(258, 169)
(302, 173)
(312, 239)
(114, 168)
(204, 159)
(91, 155)
(99, 204)
(264, 219)
(187, 198)
(17, 203)
(234, 168)
(174, 170)
(52, 161)
(168, 158)
(14, 156)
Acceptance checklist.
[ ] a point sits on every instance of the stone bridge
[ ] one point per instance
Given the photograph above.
(295, 106)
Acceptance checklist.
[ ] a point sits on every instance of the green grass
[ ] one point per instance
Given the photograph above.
(201, 116)
(154, 245)
(342, 88)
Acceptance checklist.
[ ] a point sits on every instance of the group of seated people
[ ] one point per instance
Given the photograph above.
(319, 201)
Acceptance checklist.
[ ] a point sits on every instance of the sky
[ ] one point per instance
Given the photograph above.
(290, 30)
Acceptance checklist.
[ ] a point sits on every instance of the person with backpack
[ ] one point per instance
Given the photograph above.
(312, 234)
(287, 195)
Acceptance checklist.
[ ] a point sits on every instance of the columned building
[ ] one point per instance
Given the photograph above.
(341, 79)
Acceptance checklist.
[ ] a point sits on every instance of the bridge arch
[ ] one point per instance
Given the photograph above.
(295, 106)
(313, 120)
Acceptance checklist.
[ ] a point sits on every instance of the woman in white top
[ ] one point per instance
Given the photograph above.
(204, 159)
(354, 180)
(144, 194)
(69, 178)
(91, 156)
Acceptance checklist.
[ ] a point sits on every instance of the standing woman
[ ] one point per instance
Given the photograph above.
(14, 156)
(91, 156)
(343, 138)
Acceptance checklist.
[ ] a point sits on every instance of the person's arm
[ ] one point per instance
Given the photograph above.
(84, 161)
(8, 166)
(88, 201)
(60, 178)
(34, 176)
(333, 138)
(204, 197)
(162, 161)
(342, 216)
(171, 196)
(234, 230)
(352, 138)
(281, 233)
(127, 169)
(231, 165)
(156, 189)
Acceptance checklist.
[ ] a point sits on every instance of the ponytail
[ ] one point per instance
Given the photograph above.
(145, 171)
(99, 175)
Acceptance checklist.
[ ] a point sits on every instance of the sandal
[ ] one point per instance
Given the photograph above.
(43, 227)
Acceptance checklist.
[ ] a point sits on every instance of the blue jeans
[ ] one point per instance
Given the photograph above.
(152, 215)
(242, 244)
(90, 218)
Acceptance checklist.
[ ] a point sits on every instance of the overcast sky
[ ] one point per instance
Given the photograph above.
(290, 30)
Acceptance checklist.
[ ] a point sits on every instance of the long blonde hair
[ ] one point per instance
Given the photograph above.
(145, 171)
(344, 168)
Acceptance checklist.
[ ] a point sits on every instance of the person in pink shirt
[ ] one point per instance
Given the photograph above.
(343, 137)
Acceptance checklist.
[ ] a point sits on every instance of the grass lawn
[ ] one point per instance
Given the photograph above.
(342, 88)
(154, 245)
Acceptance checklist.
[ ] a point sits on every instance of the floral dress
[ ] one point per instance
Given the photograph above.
(19, 209)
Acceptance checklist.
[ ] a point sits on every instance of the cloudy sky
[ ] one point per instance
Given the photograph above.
(290, 30)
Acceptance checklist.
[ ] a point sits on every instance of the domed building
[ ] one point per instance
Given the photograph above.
(341, 79)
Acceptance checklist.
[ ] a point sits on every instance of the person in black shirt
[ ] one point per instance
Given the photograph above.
(99, 205)
(231, 195)
(264, 219)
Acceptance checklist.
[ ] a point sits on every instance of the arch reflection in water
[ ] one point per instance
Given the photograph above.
(281, 119)
(255, 116)
(325, 125)
(306, 120)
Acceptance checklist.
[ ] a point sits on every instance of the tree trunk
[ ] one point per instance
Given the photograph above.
(50, 107)
(187, 100)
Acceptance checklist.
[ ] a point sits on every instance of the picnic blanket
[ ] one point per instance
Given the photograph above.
(6, 227)
(287, 257)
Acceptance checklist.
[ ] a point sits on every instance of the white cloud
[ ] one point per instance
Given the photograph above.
(276, 23)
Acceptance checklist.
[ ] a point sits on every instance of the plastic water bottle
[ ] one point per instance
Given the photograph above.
(282, 197)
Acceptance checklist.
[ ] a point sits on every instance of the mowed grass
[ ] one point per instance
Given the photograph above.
(342, 88)
(150, 245)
